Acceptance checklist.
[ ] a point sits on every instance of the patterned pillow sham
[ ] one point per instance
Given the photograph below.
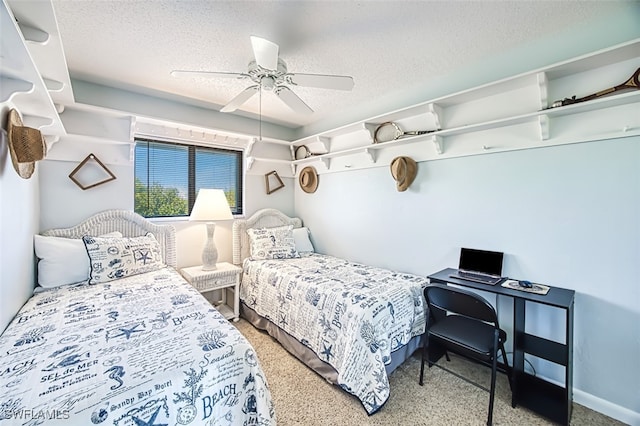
(272, 243)
(113, 258)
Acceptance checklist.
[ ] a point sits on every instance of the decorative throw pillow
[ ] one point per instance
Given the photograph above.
(301, 238)
(113, 258)
(62, 261)
(272, 243)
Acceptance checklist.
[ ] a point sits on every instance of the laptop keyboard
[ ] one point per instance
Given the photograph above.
(472, 275)
(477, 278)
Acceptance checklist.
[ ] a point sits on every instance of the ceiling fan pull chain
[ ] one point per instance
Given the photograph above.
(260, 109)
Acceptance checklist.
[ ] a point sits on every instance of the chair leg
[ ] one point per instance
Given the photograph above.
(494, 367)
(425, 355)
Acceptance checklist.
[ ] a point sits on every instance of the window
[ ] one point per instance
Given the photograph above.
(169, 175)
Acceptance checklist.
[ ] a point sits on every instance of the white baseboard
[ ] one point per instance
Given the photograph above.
(624, 415)
(607, 408)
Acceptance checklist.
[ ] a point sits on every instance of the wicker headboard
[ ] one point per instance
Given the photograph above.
(265, 218)
(130, 224)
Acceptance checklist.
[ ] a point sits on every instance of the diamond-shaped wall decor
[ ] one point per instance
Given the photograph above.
(273, 176)
(91, 172)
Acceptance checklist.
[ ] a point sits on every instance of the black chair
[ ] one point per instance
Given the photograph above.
(466, 324)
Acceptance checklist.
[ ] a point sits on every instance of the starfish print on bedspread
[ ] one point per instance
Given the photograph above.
(120, 294)
(142, 255)
(327, 352)
(283, 320)
(362, 286)
(126, 332)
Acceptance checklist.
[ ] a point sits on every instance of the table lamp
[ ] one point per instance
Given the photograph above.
(210, 205)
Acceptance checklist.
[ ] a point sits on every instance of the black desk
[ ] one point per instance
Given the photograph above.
(548, 399)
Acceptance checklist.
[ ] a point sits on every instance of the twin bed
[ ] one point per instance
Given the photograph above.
(138, 347)
(132, 343)
(351, 323)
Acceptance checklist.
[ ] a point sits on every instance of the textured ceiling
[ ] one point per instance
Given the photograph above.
(389, 47)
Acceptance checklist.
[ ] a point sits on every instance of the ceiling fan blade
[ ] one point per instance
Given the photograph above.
(265, 52)
(337, 82)
(241, 98)
(207, 74)
(292, 100)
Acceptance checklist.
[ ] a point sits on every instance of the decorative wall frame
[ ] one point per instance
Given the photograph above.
(273, 177)
(94, 175)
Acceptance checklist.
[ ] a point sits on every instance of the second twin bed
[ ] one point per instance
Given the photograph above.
(351, 323)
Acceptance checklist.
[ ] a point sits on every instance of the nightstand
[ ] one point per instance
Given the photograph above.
(225, 277)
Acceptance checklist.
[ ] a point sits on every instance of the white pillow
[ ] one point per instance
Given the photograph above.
(62, 261)
(301, 238)
(112, 257)
(272, 243)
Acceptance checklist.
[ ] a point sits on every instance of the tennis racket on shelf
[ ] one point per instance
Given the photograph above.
(303, 152)
(390, 131)
(632, 83)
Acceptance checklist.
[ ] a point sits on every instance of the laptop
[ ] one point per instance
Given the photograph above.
(480, 266)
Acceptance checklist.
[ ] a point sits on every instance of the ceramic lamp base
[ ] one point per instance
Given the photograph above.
(210, 252)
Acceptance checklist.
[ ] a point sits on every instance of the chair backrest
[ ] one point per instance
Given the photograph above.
(461, 302)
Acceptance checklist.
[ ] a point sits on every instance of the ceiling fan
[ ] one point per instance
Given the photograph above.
(269, 72)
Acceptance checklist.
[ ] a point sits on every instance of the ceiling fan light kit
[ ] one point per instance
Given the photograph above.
(269, 72)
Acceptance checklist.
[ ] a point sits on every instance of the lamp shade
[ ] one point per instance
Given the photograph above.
(210, 205)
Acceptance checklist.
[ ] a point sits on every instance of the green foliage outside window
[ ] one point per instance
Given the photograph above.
(159, 201)
(231, 197)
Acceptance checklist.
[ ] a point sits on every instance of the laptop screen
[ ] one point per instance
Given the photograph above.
(483, 261)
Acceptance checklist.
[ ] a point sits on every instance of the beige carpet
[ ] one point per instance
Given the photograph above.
(301, 397)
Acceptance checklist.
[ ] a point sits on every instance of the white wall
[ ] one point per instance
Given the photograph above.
(567, 216)
(19, 212)
(140, 105)
(65, 204)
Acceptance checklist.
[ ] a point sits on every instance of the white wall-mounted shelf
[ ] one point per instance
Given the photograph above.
(22, 83)
(37, 20)
(251, 160)
(513, 113)
(268, 154)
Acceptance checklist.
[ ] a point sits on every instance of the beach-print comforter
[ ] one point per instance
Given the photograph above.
(142, 350)
(352, 316)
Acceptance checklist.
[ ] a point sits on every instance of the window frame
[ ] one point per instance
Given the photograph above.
(192, 149)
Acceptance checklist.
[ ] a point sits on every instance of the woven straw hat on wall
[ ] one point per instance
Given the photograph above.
(404, 171)
(308, 180)
(26, 145)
